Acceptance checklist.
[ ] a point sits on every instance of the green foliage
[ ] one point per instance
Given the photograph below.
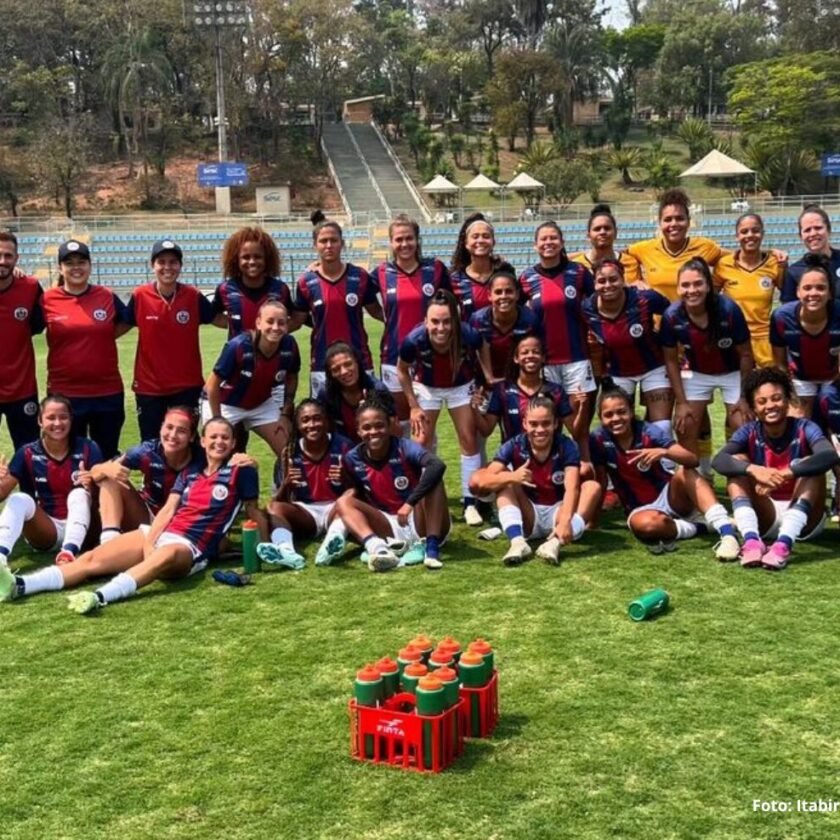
(697, 135)
(538, 154)
(60, 157)
(628, 161)
(662, 172)
(565, 179)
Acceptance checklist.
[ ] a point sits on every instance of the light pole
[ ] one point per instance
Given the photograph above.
(230, 14)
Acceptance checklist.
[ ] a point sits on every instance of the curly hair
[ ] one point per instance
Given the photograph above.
(234, 243)
(677, 197)
(766, 376)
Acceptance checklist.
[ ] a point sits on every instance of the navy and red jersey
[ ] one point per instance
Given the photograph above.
(547, 476)
(796, 442)
(556, 299)
(82, 347)
(168, 350)
(502, 343)
(21, 317)
(471, 295)
(436, 370)
(49, 481)
(811, 358)
(242, 303)
(827, 409)
(703, 355)
(317, 487)
(336, 309)
(635, 486)
(509, 402)
(630, 339)
(405, 299)
(158, 477)
(386, 484)
(796, 270)
(209, 504)
(248, 377)
(343, 415)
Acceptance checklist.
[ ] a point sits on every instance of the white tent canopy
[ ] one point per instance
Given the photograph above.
(717, 165)
(523, 181)
(482, 182)
(440, 184)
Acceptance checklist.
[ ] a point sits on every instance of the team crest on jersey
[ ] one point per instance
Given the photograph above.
(280, 376)
(765, 282)
(571, 292)
(100, 314)
(401, 482)
(220, 492)
(641, 467)
(30, 409)
(636, 330)
(724, 343)
(182, 316)
(428, 289)
(21, 313)
(557, 477)
(352, 299)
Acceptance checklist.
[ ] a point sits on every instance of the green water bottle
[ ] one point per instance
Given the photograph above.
(408, 655)
(449, 679)
(651, 603)
(450, 645)
(473, 673)
(411, 675)
(369, 690)
(441, 658)
(430, 701)
(390, 672)
(484, 648)
(250, 537)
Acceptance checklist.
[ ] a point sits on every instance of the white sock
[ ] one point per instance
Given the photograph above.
(44, 580)
(793, 523)
(510, 516)
(338, 527)
(109, 534)
(685, 530)
(578, 526)
(716, 516)
(746, 519)
(121, 587)
(19, 508)
(78, 518)
(282, 536)
(374, 544)
(469, 465)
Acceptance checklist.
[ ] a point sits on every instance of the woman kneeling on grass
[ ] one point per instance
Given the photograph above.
(397, 495)
(536, 478)
(661, 505)
(182, 539)
(776, 468)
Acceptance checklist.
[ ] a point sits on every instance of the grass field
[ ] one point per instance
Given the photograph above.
(194, 710)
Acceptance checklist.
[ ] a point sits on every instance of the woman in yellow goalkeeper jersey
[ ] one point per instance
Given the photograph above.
(602, 231)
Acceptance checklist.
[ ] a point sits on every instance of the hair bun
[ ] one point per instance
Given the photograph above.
(600, 210)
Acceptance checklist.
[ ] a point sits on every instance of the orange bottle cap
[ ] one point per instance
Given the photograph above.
(250, 525)
(445, 674)
(472, 658)
(441, 655)
(368, 674)
(422, 641)
(416, 669)
(410, 653)
(386, 665)
(448, 643)
(430, 683)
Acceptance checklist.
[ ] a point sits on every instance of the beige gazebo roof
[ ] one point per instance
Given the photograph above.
(440, 184)
(482, 182)
(717, 165)
(523, 181)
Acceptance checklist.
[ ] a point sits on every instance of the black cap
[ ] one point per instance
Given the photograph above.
(163, 246)
(72, 248)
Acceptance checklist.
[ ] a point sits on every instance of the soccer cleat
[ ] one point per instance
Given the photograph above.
(611, 501)
(518, 552)
(8, 585)
(432, 563)
(751, 553)
(472, 516)
(383, 560)
(414, 556)
(63, 557)
(550, 551)
(662, 547)
(330, 550)
(727, 549)
(776, 557)
(83, 603)
(280, 555)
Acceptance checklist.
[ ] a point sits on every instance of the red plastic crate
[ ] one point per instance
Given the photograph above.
(487, 703)
(393, 734)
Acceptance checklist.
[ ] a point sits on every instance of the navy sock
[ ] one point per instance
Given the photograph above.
(432, 546)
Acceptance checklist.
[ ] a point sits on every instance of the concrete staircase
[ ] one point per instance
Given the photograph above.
(352, 176)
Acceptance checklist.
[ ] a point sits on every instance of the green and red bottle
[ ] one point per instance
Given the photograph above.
(449, 644)
(250, 538)
(390, 672)
(411, 674)
(430, 701)
(407, 656)
(485, 649)
(425, 644)
(473, 674)
(441, 658)
(451, 695)
(368, 689)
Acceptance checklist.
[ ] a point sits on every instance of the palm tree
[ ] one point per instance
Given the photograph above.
(533, 15)
(576, 51)
(626, 161)
(538, 154)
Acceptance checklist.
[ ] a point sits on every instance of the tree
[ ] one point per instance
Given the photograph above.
(492, 23)
(626, 161)
(565, 180)
(576, 49)
(630, 53)
(60, 157)
(697, 135)
(13, 175)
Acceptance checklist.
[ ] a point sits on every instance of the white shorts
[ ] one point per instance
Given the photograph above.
(199, 561)
(700, 387)
(318, 381)
(661, 503)
(780, 506)
(391, 379)
(263, 415)
(319, 511)
(545, 518)
(434, 398)
(60, 525)
(407, 533)
(805, 388)
(573, 376)
(653, 380)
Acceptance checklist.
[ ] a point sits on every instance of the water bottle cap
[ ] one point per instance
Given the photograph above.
(422, 641)
(386, 665)
(250, 525)
(446, 674)
(416, 669)
(441, 655)
(448, 643)
(410, 653)
(430, 683)
(368, 674)
(480, 646)
(472, 658)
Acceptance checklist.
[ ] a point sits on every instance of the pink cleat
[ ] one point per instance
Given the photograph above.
(776, 557)
(751, 553)
(63, 557)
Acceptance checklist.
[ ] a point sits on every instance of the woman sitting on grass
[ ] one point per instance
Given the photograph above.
(776, 468)
(182, 539)
(52, 507)
(661, 505)
(536, 479)
(397, 494)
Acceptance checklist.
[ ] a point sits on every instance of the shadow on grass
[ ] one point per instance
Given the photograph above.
(478, 750)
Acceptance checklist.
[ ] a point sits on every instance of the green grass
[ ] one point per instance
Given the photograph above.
(194, 710)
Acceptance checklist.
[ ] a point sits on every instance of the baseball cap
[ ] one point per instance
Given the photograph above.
(163, 246)
(72, 248)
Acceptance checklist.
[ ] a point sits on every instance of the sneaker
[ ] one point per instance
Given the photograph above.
(383, 560)
(611, 501)
(414, 556)
(83, 602)
(330, 550)
(751, 553)
(662, 547)
(727, 549)
(776, 557)
(63, 557)
(550, 551)
(518, 552)
(8, 585)
(399, 547)
(472, 516)
(433, 563)
(280, 555)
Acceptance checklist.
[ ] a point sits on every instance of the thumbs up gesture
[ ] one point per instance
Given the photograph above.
(83, 476)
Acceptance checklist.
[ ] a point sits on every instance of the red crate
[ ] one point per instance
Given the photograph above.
(484, 701)
(393, 734)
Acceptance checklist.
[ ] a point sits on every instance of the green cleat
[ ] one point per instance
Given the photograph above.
(414, 556)
(280, 555)
(83, 603)
(330, 550)
(8, 585)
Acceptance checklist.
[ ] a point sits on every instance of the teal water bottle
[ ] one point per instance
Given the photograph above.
(430, 701)
(250, 537)
(369, 690)
(648, 605)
